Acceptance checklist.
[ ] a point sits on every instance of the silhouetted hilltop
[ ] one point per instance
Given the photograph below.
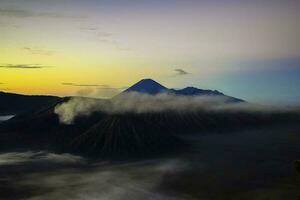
(11, 103)
(151, 87)
(192, 91)
(147, 86)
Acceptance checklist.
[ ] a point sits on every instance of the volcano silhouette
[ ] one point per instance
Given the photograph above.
(128, 135)
(147, 86)
(151, 87)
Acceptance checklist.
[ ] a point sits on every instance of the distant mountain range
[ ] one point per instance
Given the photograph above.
(151, 87)
(17, 103)
(123, 135)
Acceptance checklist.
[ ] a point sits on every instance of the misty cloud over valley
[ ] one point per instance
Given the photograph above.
(235, 166)
(134, 102)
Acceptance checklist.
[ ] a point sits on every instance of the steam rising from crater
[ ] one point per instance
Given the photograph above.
(143, 103)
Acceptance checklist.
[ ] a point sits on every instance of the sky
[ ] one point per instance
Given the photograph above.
(245, 48)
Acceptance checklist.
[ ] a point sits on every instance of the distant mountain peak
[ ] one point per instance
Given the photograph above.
(148, 86)
(149, 81)
(197, 91)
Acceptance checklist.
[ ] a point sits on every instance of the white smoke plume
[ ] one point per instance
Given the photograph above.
(77, 106)
(142, 103)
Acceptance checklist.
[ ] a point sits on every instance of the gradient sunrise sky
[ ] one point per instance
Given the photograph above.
(245, 48)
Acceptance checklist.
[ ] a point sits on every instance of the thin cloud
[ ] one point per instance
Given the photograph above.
(106, 37)
(89, 28)
(23, 66)
(95, 90)
(181, 72)
(107, 92)
(84, 85)
(97, 32)
(20, 13)
(39, 51)
(23, 13)
(5, 89)
(103, 34)
(98, 92)
(125, 49)
(107, 41)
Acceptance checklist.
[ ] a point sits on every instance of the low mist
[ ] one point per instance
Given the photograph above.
(13, 158)
(247, 165)
(143, 103)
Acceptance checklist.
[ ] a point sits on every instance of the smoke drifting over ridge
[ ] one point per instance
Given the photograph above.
(142, 103)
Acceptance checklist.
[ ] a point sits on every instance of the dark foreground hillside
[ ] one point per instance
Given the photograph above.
(126, 135)
(11, 104)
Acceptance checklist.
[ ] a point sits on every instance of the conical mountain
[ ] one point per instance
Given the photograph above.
(147, 86)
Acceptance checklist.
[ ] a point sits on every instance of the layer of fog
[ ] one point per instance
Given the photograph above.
(73, 177)
(11, 158)
(141, 103)
(6, 117)
(248, 165)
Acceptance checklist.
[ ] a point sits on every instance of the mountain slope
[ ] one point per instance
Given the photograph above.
(147, 86)
(192, 91)
(196, 91)
(123, 136)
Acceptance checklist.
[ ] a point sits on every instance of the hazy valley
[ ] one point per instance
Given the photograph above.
(150, 145)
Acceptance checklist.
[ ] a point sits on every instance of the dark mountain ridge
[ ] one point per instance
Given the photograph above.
(129, 134)
(195, 91)
(151, 87)
(12, 104)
